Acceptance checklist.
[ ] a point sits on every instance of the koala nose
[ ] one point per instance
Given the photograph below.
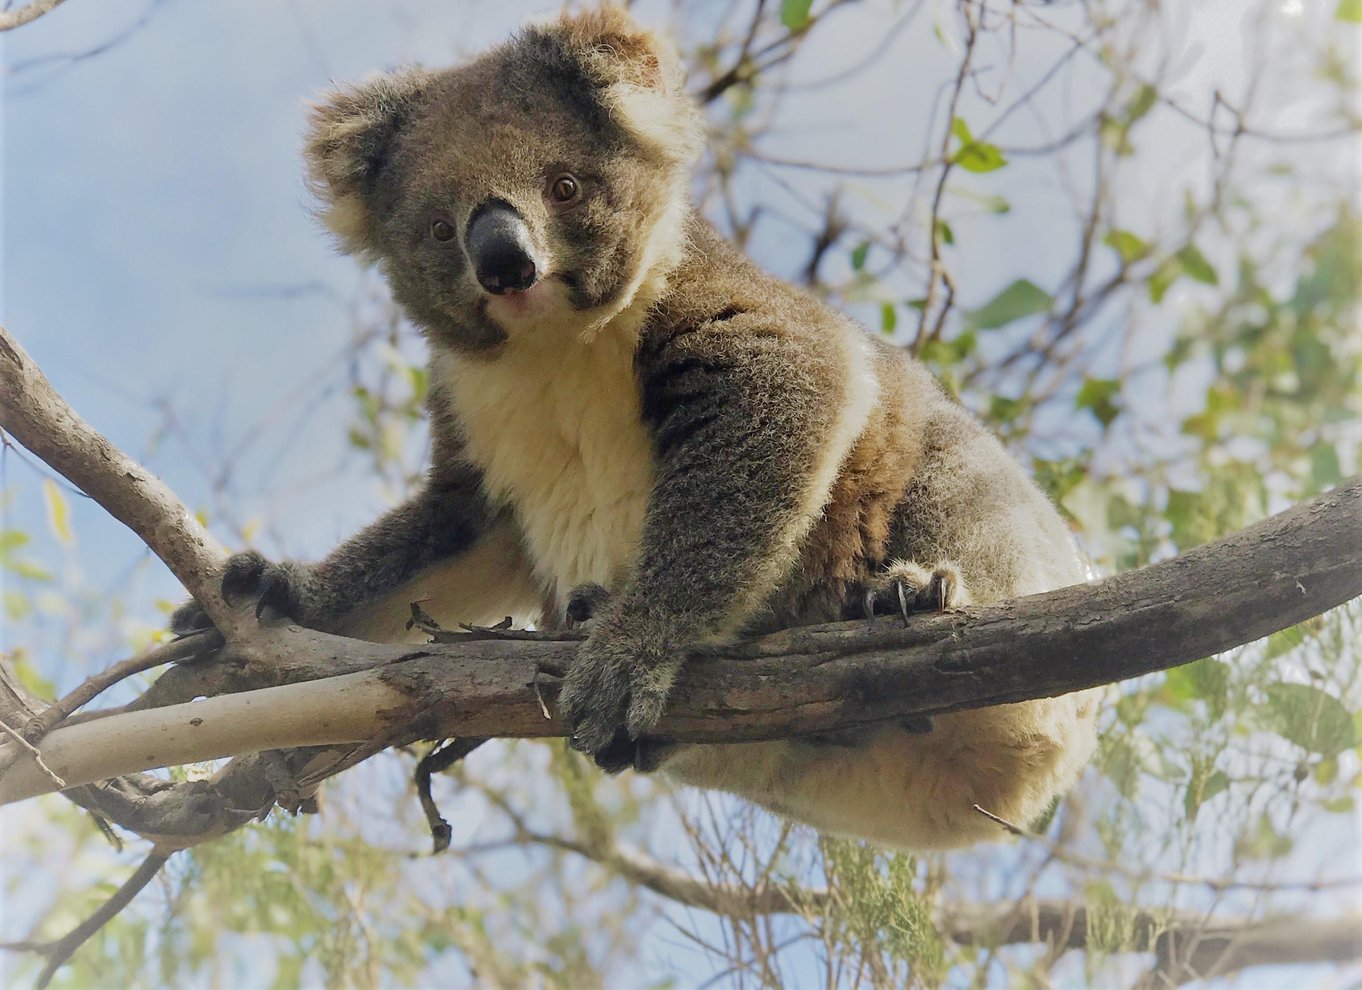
(498, 244)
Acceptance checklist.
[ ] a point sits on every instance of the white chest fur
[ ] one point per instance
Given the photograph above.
(554, 423)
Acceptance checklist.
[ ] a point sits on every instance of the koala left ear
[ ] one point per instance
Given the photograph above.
(350, 136)
(643, 81)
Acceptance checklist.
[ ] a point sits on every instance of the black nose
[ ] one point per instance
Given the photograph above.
(498, 244)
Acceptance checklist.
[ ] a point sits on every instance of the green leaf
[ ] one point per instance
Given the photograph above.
(1003, 410)
(1099, 396)
(30, 678)
(972, 155)
(1145, 98)
(1194, 263)
(1207, 680)
(1022, 298)
(1340, 805)
(858, 255)
(15, 605)
(27, 569)
(1349, 10)
(58, 512)
(1324, 467)
(1284, 641)
(889, 318)
(1202, 787)
(1127, 245)
(944, 229)
(1264, 842)
(979, 158)
(1310, 718)
(1168, 272)
(794, 14)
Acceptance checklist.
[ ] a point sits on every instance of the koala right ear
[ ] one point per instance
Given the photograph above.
(350, 136)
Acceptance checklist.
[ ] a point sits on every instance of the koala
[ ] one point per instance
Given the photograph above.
(621, 401)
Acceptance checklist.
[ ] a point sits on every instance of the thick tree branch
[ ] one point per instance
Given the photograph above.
(1224, 594)
(40, 419)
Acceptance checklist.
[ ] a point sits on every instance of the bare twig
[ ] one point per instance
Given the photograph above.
(22, 745)
(60, 950)
(438, 760)
(1187, 945)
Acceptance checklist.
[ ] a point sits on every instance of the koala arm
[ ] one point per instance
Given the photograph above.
(445, 546)
(750, 422)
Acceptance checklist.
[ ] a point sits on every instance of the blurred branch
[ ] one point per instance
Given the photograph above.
(1187, 945)
(30, 12)
(58, 951)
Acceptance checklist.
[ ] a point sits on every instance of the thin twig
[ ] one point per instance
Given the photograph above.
(60, 950)
(438, 760)
(27, 747)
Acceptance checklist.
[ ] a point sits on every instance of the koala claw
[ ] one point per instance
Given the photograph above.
(247, 576)
(273, 590)
(906, 587)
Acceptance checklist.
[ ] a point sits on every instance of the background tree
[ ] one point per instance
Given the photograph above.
(1124, 233)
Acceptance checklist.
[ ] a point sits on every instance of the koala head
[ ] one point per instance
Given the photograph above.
(530, 191)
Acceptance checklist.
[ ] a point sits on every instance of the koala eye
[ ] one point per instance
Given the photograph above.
(564, 189)
(442, 230)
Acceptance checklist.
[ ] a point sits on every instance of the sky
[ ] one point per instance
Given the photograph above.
(161, 265)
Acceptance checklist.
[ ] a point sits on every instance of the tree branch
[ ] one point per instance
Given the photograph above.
(29, 12)
(1187, 945)
(1224, 594)
(60, 950)
(41, 420)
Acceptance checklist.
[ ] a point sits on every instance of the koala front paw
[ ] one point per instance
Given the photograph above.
(906, 587)
(615, 692)
(248, 577)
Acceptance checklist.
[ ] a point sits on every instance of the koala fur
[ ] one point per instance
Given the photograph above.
(649, 412)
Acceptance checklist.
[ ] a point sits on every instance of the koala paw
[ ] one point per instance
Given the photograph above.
(585, 603)
(248, 577)
(906, 587)
(614, 692)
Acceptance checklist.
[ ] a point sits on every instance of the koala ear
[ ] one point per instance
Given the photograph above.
(642, 77)
(350, 135)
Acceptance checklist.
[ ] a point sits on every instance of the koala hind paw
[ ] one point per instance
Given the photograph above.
(906, 587)
(248, 577)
